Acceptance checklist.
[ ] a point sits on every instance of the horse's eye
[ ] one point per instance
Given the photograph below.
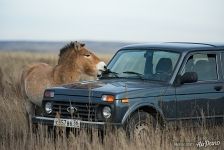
(87, 55)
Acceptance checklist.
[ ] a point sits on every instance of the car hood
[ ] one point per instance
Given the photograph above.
(117, 87)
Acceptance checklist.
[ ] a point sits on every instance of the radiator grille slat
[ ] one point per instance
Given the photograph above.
(86, 112)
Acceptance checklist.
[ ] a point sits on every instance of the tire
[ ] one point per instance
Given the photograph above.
(140, 125)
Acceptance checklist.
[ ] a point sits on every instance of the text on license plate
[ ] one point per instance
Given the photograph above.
(67, 123)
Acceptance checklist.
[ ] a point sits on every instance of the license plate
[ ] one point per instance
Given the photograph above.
(67, 123)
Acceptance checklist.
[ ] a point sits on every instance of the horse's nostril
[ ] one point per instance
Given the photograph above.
(105, 67)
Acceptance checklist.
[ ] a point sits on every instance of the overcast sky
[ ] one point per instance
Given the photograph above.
(116, 20)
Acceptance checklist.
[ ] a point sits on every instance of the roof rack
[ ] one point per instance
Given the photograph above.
(192, 43)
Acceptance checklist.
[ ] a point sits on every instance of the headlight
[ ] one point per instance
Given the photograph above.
(106, 112)
(48, 107)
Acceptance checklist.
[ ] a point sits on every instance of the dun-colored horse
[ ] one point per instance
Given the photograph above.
(74, 60)
(1, 81)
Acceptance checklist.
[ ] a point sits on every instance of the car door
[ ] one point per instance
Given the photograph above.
(204, 98)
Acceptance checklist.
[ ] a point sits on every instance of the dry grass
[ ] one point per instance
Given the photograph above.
(14, 133)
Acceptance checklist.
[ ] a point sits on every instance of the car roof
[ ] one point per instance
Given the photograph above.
(177, 46)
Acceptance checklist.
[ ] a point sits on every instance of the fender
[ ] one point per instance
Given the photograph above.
(138, 105)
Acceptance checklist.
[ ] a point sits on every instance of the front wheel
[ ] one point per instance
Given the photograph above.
(141, 125)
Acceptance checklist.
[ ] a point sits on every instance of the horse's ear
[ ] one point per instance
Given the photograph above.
(78, 45)
(82, 44)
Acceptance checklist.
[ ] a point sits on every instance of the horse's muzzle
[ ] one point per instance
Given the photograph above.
(101, 66)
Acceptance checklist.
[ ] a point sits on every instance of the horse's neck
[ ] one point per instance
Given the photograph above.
(66, 73)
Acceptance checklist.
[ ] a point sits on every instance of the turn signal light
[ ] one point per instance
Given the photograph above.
(124, 100)
(49, 94)
(108, 98)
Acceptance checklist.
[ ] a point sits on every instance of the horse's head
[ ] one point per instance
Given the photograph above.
(90, 63)
(82, 58)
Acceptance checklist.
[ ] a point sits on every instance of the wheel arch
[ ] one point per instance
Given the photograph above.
(149, 108)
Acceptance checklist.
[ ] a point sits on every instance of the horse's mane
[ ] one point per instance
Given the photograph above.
(72, 45)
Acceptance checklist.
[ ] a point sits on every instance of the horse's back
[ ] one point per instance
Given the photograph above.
(35, 78)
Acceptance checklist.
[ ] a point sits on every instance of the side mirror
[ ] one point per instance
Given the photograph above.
(187, 77)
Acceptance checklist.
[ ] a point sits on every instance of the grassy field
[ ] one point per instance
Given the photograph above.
(14, 132)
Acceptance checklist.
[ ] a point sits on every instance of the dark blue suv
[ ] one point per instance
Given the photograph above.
(144, 85)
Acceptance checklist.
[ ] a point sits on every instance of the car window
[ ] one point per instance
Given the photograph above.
(222, 64)
(162, 55)
(203, 64)
(131, 61)
(145, 64)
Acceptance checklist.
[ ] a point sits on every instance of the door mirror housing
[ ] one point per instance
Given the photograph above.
(187, 77)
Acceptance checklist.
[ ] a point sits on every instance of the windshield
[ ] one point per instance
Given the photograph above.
(144, 64)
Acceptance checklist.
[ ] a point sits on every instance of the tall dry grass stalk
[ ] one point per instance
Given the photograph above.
(14, 132)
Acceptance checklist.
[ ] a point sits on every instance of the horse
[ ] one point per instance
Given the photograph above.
(74, 60)
(1, 81)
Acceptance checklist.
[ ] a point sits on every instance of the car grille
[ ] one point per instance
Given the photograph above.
(85, 111)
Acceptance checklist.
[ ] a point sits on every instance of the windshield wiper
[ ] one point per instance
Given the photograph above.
(135, 73)
(108, 71)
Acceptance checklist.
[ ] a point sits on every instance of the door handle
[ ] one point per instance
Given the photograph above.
(218, 87)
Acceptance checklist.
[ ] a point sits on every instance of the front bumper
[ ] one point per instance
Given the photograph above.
(83, 124)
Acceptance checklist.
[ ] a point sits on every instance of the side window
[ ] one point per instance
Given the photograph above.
(222, 64)
(203, 64)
